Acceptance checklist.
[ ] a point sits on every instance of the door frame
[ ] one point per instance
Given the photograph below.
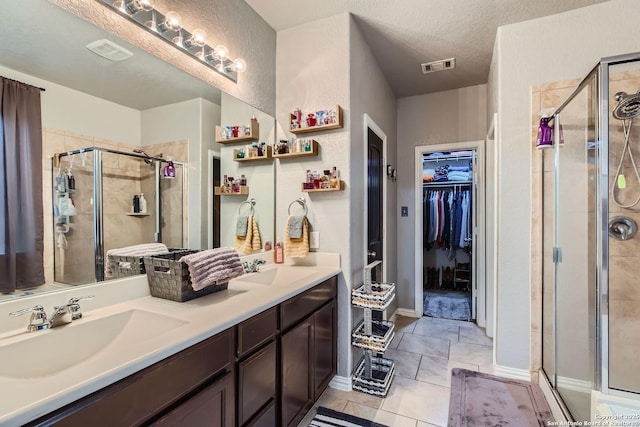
(479, 268)
(368, 123)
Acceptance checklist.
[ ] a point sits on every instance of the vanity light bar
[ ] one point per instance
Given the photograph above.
(169, 28)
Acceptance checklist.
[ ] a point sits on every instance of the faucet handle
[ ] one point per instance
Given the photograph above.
(74, 307)
(38, 317)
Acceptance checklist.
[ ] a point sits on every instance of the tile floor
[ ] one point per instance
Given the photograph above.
(425, 350)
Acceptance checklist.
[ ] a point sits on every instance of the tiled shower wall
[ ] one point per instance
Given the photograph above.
(624, 256)
(123, 177)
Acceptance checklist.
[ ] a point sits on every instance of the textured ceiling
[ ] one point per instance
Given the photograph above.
(42, 40)
(405, 33)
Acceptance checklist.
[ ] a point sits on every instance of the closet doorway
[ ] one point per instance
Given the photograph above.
(449, 277)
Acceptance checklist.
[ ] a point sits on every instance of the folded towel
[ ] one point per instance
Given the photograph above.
(251, 242)
(295, 226)
(459, 168)
(297, 248)
(459, 176)
(212, 267)
(427, 177)
(144, 249)
(241, 226)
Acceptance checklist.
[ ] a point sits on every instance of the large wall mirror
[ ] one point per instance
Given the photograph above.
(136, 114)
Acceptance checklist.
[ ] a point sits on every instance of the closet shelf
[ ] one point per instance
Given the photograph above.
(447, 183)
(448, 158)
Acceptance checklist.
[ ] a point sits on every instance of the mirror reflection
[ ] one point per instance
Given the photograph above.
(137, 114)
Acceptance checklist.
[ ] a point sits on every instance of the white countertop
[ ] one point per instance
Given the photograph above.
(25, 399)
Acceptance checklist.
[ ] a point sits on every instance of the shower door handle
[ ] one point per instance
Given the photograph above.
(557, 255)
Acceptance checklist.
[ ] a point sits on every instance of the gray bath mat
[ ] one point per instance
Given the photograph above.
(447, 304)
(479, 399)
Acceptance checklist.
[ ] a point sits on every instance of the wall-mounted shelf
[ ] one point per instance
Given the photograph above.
(137, 213)
(314, 152)
(254, 135)
(244, 190)
(320, 128)
(323, 190)
(268, 155)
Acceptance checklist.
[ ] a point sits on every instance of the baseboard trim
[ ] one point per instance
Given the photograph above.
(340, 383)
(405, 312)
(513, 373)
(580, 386)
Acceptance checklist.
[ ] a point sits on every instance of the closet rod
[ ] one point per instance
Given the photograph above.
(447, 184)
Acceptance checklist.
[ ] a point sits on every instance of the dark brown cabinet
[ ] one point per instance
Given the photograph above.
(297, 387)
(257, 385)
(324, 348)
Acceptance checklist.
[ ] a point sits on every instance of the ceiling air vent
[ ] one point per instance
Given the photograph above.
(110, 50)
(443, 64)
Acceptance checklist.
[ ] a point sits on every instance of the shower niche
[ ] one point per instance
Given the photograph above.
(93, 192)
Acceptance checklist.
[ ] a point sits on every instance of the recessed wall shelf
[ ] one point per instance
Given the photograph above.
(268, 156)
(244, 190)
(254, 135)
(308, 129)
(314, 152)
(137, 213)
(323, 190)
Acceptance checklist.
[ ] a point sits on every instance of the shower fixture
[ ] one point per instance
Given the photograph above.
(627, 109)
(150, 159)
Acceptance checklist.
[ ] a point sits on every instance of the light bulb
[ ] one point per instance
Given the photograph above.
(135, 6)
(239, 65)
(198, 38)
(172, 21)
(221, 51)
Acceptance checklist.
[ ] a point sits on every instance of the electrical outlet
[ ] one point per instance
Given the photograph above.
(314, 240)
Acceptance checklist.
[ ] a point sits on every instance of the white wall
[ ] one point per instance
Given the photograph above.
(313, 79)
(187, 120)
(74, 111)
(554, 48)
(436, 118)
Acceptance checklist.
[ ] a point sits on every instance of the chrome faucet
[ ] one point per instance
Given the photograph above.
(254, 266)
(61, 314)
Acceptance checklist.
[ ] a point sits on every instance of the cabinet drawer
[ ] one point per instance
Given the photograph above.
(140, 396)
(301, 306)
(256, 331)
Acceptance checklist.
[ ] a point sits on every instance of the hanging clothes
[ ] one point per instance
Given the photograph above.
(447, 219)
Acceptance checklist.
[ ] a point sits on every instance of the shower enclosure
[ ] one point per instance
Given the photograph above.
(93, 211)
(591, 257)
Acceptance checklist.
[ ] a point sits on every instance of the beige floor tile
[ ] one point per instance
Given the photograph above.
(332, 400)
(418, 400)
(423, 424)
(406, 363)
(475, 336)
(379, 416)
(428, 327)
(474, 354)
(355, 396)
(396, 340)
(405, 324)
(460, 323)
(424, 345)
(437, 370)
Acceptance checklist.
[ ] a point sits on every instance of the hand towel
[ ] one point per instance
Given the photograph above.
(144, 249)
(297, 248)
(251, 242)
(295, 226)
(212, 267)
(241, 226)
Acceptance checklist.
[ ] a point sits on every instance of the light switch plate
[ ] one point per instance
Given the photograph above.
(314, 240)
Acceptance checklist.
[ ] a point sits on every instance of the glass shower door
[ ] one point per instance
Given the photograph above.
(574, 253)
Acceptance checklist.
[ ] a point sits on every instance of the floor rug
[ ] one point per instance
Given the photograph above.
(479, 399)
(447, 304)
(326, 417)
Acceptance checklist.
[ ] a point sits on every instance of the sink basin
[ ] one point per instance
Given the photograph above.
(43, 353)
(278, 275)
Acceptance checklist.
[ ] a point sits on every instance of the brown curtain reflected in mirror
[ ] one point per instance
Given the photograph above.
(21, 227)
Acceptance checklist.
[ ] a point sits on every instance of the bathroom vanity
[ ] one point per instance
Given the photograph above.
(257, 354)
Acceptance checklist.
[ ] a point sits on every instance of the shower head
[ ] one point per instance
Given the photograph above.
(628, 106)
(149, 160)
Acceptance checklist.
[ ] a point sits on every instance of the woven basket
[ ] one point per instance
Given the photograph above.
(170, 279)
(127, 265)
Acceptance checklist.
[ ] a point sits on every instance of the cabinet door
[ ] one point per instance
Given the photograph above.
(256, 383)
(211, 407)
(297, 387)
(324, 348)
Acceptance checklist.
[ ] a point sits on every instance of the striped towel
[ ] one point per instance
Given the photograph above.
(212, 267)
(251, 242)
(296, 248)
(144, 249)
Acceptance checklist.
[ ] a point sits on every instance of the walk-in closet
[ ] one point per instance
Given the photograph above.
(449, 209)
